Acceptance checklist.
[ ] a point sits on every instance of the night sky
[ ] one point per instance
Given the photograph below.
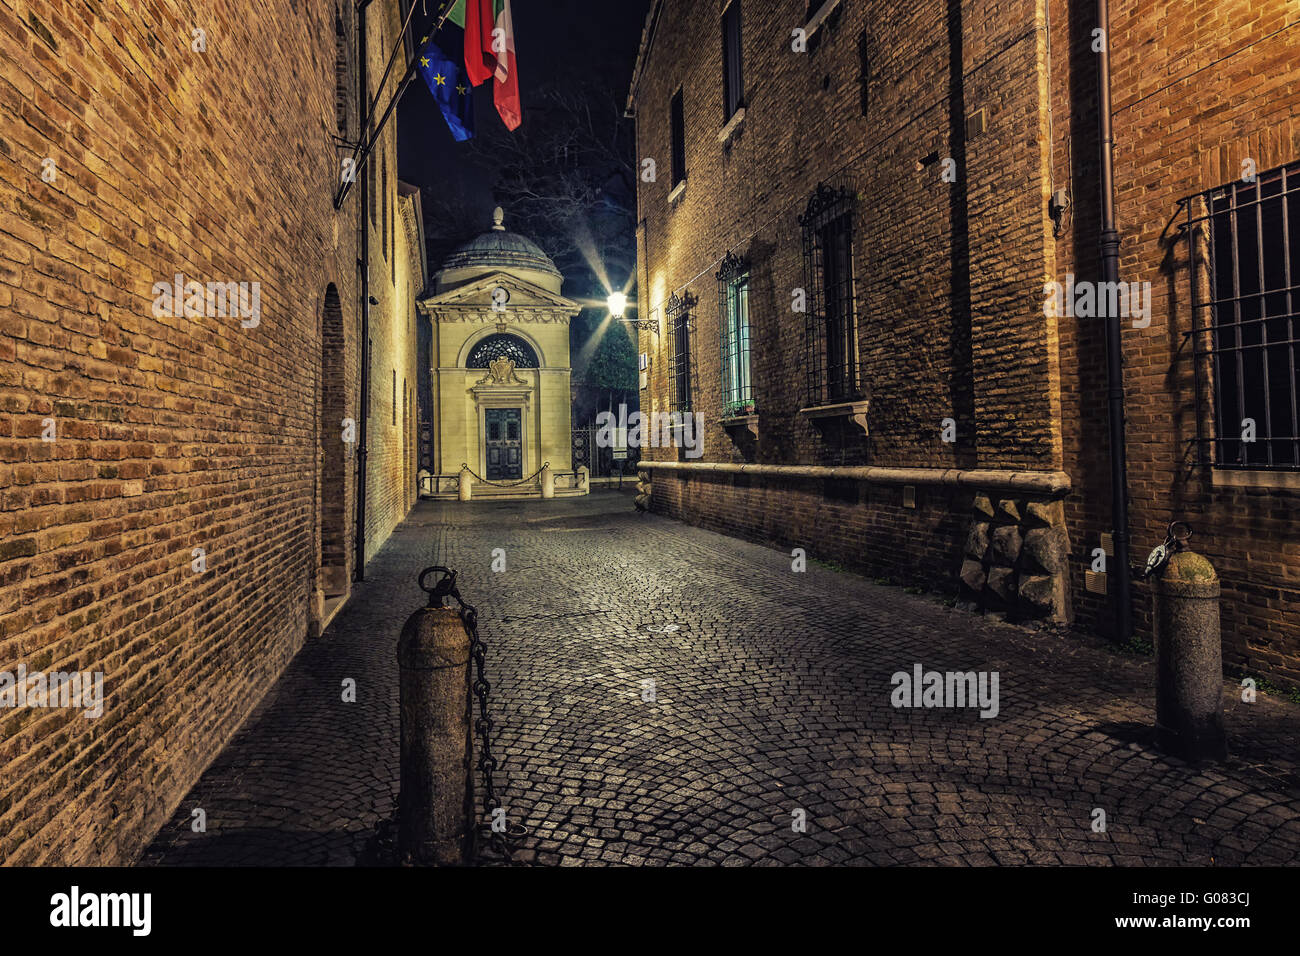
(553, 39)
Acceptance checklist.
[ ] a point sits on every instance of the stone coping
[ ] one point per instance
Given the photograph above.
(1053, 483)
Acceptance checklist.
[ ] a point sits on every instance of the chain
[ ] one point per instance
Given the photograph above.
(505, 484)
(480, 687)
(1176, 537)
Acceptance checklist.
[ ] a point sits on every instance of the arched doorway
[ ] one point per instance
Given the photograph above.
(335, 452)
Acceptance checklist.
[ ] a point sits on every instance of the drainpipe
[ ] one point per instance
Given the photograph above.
(359, 561)
(1114, 354)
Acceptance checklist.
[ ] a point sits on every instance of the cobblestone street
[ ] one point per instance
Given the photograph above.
(772, 695)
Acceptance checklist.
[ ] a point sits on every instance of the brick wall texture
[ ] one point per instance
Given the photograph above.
(949, 276)
(177, 433)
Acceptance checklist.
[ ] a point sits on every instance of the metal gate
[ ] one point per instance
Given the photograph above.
(601, 461)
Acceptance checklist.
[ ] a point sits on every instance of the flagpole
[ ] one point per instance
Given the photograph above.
(359, 158)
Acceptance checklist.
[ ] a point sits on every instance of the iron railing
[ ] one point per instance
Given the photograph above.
(679, 350)
(832, 332)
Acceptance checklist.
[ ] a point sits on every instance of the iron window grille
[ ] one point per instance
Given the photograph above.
(733, 325)
(679, 350)
(1244, 258)
(500, 345)
(831, 323)
(677, 130)
(733, 72)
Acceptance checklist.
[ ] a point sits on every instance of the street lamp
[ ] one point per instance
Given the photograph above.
(618, 303)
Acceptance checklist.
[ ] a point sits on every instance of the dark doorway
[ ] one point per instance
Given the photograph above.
(505, 457)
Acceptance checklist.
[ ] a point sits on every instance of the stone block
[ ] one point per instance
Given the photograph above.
(1045, 550)
(1045, 514)
(1001, 585)
(972, 577)
(977, 541)
(1042, 596)
(1004, 545)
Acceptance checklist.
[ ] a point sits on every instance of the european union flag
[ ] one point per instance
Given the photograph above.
(451, 91)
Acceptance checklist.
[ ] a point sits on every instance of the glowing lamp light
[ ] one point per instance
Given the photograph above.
(617, 304)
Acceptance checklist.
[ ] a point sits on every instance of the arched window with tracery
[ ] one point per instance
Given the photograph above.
(502, 345)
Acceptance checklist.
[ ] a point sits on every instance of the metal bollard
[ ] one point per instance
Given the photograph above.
(435, 816)
(463, 484)
(548, 481)
(1189, 660)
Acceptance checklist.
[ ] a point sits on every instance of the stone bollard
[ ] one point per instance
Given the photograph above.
(435, 825)
(1189, 660)
(548, 481)
(584, 479)
(463, 484)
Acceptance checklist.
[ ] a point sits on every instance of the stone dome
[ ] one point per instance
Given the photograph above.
(495, 251)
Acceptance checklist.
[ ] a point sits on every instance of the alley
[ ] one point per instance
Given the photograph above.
(771, 706)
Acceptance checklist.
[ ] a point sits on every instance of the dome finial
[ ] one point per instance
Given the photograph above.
(499, 219)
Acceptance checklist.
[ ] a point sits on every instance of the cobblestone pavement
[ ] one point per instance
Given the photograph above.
(771, 696)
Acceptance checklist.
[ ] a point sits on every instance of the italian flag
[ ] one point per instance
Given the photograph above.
(490, 52)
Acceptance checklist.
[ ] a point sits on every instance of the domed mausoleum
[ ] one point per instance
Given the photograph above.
(499, 367)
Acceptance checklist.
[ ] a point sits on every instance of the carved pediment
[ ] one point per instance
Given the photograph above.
(506, 291)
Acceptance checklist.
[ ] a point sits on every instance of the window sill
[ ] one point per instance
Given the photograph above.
(854, 412)
(732, 127)
(737, 423)
(678, 191)
(1261, 479)
(820, 17)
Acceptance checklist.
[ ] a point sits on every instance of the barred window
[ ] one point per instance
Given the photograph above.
(831, 324)
(1245, 286)
(733, 300)
(502, 344)
(679, 351)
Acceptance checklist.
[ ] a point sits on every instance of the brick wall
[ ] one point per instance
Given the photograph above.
(919, 243)
(1197, 87)
(390, 481)
(921, 545)
(949, 277)
(172, 433)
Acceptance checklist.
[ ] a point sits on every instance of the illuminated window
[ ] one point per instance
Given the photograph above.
(733, 299)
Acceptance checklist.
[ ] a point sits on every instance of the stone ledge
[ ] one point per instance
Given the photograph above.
(1053, 483)
(732, 127)
(854, 412)
(741, 423)
(1264, 480)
